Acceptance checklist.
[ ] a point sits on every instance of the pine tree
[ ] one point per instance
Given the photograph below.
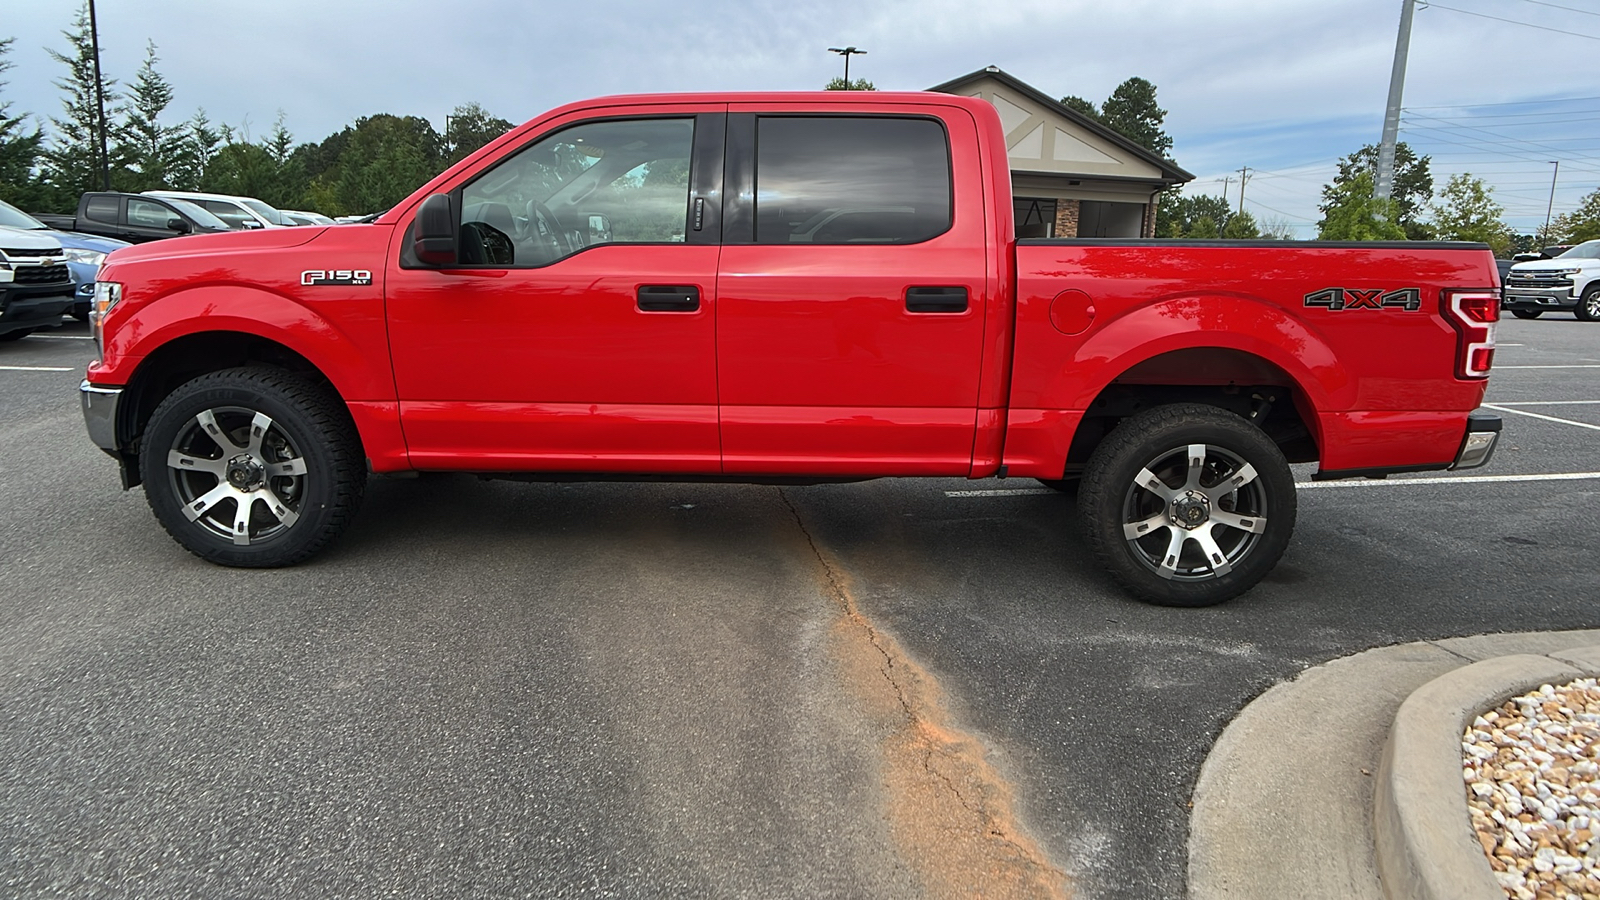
(72, 158)
(19, 152)
(153, 152)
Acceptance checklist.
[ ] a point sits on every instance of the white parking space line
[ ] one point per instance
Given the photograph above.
(62, 337)
(1550, 403)
(1534, 415)
(1353, 483)
(1575, 366)
(39, 368)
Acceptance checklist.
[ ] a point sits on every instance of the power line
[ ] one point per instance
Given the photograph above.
(1587, 12)
(1468, 12)
(1507, 103)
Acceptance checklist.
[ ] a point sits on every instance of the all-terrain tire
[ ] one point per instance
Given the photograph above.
(252, 467)
(1213, 522)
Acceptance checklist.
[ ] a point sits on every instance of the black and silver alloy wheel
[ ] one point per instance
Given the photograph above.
(1192, 512)
(1187, 504)
(236, 474)
(252, 467)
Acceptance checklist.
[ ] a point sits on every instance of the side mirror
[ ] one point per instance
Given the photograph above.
(599, 230)
(179, 225)
(434, 235)
(251, 225)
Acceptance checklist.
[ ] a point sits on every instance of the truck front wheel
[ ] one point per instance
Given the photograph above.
(1588, 309)
(252, 467)
(1187, 505)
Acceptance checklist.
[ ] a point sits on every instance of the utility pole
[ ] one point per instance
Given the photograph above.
(846, 52)
(1391, 113)
(100, 100)
(1244, 176)
(1227, 182)
(1552, 207)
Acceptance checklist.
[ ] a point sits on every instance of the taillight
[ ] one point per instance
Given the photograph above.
(1473, 315)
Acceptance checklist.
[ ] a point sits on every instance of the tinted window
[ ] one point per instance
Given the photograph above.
(599, 182)
(229, 213)
(147, 214)
(1586, 250)
(851, 180)
(200, 216)
(102, 209)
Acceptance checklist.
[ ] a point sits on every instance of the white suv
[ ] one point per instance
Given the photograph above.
(239, 212)
(1571, 281)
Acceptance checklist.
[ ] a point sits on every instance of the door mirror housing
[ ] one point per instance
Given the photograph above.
(599, 230)
(434, 235)
(181, 226)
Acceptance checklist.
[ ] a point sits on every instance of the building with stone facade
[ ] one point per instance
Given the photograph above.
(1070, 175)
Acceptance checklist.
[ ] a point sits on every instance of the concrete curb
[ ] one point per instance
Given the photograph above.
(1425, 844)
(1285, 805)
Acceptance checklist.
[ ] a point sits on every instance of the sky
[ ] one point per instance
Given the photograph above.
(1498, 88)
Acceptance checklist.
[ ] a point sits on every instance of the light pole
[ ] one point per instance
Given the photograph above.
(1391, 115)
(1552, 207)
(846, 52)
(100, 100)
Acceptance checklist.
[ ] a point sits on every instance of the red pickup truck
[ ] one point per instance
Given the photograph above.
(780, 288)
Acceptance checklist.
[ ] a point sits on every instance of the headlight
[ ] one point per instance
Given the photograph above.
(85, 255)
(106, 295)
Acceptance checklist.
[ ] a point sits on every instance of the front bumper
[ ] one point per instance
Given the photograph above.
(100, 415)
(30, 306)
(1528, 299)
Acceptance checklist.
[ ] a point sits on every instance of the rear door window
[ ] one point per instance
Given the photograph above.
(102, 209)
(851, 180)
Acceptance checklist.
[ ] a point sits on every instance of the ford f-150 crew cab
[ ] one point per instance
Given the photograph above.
(780, 288)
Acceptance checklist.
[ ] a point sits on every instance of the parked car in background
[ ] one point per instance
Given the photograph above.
(307, 218)
(239, 212)
(1569, 282)
(35, 283)
(135, 218)
(84, 253)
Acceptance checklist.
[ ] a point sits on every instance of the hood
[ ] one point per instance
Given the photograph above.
(17, 239)
(220, 243)
(1553, 265)
(72, 240)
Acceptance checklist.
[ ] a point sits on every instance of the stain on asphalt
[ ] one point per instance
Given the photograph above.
(952, 816)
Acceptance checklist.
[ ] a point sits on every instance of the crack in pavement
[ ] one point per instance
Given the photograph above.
(950, 812)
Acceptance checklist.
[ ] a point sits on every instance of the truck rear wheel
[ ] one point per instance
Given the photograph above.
(1187, 505)
(253, 467)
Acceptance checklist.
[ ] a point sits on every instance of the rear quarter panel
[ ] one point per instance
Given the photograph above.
(1379, 382)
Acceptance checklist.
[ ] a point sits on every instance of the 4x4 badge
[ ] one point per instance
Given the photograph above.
(1408, 299)
(320, 277)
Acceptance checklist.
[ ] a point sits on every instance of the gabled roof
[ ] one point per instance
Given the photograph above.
(1170, 171)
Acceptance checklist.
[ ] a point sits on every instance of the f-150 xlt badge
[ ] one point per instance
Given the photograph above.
(321, 277)
(1408, 299)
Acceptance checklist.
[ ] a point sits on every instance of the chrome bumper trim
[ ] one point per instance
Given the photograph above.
(100, 414)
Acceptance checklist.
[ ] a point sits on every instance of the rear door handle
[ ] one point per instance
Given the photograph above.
(936, 299)
(669, 298)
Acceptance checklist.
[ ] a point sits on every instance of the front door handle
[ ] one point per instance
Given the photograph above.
(669, 298)
(936, 299)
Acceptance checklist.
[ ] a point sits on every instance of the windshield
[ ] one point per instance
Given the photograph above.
(266, 212)
(11, 217)
(1585, 250)
(201, 216)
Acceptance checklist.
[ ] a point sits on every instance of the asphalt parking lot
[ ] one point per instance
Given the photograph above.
(891, 689)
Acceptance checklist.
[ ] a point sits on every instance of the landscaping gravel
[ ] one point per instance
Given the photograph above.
(1533, 789)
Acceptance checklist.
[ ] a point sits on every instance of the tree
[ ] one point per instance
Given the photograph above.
(1178, 215)
(470, 127)
(19, 151)
(839, 84)
(373, 164)
(1276, 228)
(1411, 190)
(1131, 111)
(199, 143)
(1351, 213)
(1241, 226)
(153, 152)
(72, 159)
(1467, 212)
